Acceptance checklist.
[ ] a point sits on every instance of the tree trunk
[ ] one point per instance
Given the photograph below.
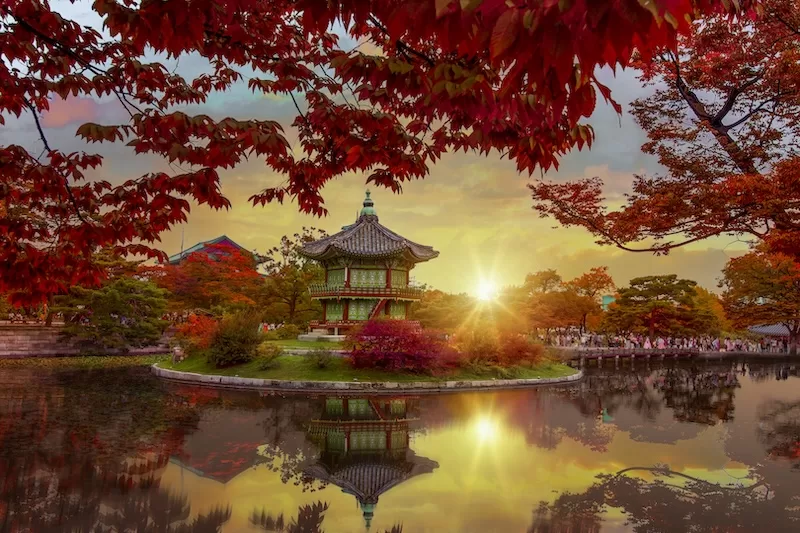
(793, 342)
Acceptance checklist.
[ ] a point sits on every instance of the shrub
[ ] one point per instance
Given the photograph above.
(270, 335)
(518, 349)
(289, 331)
(478, 349)
(268, 356)
(482, 350)
(321, 358)
(196, 333)
(235, 341)
(397, 345)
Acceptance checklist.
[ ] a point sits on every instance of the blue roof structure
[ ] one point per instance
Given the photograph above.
(770, 330)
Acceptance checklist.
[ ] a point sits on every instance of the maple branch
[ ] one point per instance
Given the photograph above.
(42, 136)
(732, 95)
(401, 45)
(795, 30)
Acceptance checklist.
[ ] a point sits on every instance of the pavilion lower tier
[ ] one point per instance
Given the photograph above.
(362, 309)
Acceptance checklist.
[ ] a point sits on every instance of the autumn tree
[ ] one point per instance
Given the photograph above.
(591, 285)
(289, 276)
(438, 76)
(659, 305)
(712, 303)
(723, 120)
(216, 277)
(763, 288)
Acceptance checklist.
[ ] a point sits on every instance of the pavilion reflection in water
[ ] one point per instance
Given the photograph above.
(364, 447)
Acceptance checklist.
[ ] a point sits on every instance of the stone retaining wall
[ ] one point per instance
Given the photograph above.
(374, 387)
(43, 341)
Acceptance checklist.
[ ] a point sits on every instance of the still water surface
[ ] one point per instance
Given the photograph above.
(704, 447)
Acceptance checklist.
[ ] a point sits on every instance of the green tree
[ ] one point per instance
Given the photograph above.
(659, 305)
(123, 313)
(289, 276)
(763, 288)
(441, 310)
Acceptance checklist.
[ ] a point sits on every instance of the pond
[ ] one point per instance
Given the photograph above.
(670, 447)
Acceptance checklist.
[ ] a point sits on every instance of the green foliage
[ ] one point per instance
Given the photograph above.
(659, 305)
(321, 358)
(287, 332)
(441, 311)
(289, 275)
(121, 314)
(235, 341)
(268, 356)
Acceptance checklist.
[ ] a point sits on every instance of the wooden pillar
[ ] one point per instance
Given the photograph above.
(388, 278)
(346, 276)
(325, 305)
(405, 315)
(347, 441)
(388, 439)
(326, 275)
(346, 313)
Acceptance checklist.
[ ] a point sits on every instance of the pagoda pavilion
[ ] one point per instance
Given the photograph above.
(366, 273)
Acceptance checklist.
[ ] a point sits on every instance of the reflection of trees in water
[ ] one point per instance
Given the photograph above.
(779, 429)
(694, 393)
(84, 451)
(671, 502)
(309, 520)
(37, 502)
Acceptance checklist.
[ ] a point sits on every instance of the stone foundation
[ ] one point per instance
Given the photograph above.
(42, 341)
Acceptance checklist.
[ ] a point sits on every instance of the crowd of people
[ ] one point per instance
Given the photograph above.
(635, 342)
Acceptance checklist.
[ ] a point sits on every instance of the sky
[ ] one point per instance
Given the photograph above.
(475, 210)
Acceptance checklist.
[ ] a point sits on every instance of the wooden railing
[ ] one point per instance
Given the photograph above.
(340, 291)
(346, 323)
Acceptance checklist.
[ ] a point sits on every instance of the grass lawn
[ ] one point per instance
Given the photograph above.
(292, 367)
(310, 345)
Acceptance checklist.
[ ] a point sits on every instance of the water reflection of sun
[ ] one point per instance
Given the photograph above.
(486, 429)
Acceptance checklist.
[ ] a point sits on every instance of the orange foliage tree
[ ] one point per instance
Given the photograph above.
(447, 75)
(591, 285)
(215, 277)
(763, 287)
(724, 121)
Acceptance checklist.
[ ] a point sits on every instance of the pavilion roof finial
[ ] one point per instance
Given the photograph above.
(368, 208)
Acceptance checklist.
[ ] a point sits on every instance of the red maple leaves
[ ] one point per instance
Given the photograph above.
(483, 75)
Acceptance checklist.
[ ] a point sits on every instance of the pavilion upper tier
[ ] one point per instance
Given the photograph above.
(367, 239)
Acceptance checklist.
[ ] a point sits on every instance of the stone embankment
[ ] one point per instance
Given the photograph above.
(374, 387)
(21, 341)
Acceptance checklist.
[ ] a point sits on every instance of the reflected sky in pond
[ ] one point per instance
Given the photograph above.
(665, 448)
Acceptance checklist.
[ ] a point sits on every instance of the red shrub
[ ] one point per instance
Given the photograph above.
(398, 345)
(197, 331)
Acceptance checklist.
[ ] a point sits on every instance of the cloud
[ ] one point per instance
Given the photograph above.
(70, 111)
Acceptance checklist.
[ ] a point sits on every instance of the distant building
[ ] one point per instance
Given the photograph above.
(607, 300)
(221, 242)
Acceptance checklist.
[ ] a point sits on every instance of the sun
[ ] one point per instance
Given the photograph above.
(487, 290)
